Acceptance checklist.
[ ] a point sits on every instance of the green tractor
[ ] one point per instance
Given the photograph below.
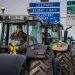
(28, 58)
(52, 34)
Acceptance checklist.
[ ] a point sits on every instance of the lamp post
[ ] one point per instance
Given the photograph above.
(3, 9)
(28, 9)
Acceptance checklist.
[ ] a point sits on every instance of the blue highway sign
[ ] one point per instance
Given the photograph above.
(46, 11)
(54, 18)
(32, 10)
(47, 4)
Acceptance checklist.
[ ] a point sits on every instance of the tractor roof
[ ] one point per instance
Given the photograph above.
(18, 19)
(51, 24)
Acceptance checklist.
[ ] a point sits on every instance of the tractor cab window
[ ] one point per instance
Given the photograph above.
(53, 32)
(13, 30)
(32, 29)
(35, 33)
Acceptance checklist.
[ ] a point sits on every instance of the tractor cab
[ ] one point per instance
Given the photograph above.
(51, 32)
(30, 26)
(53, 36)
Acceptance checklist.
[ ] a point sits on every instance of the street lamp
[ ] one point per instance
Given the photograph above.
(3, 9)
(28, 9)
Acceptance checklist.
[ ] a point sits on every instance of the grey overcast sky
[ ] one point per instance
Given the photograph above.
(19, 6)
(14, 6)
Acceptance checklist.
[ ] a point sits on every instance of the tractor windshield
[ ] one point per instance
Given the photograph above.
(30, 28)
(53, 32)
(35, 32)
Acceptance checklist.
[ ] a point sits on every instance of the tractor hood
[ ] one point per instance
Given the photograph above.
(59, 46)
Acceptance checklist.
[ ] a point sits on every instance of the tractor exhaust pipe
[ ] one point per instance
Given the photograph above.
(68, 28)
(66, 34)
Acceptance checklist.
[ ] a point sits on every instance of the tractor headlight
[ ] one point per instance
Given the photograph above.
(32, 48)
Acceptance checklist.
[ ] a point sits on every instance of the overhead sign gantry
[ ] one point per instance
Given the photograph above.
(46, 11)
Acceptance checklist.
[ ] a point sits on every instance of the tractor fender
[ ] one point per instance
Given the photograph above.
(11, 64)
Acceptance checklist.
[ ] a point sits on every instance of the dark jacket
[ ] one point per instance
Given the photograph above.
(20, 35)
